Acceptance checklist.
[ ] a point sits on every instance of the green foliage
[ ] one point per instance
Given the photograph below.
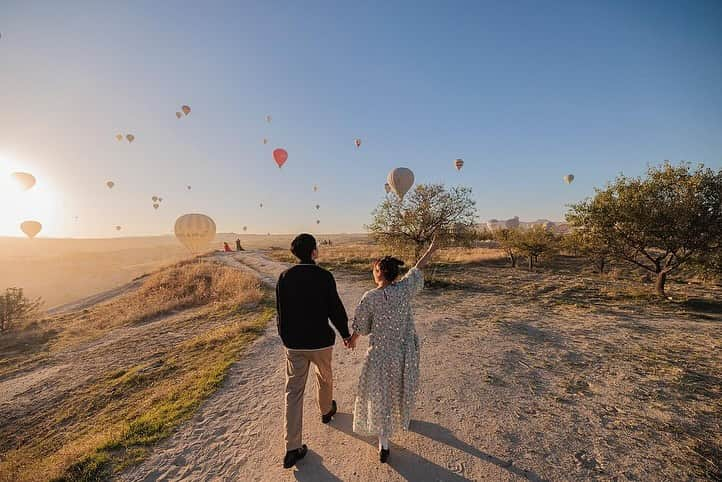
(16, 307)
(659, 222)
(507, 240)
(535, 242)
(428, 210)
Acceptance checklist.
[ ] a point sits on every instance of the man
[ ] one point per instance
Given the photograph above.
(306, 299)
(238, 245)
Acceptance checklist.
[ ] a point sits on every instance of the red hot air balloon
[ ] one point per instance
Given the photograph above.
(280, 156)
(459, 163)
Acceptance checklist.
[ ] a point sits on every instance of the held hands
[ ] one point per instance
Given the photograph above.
(424, 260)
(350, 342)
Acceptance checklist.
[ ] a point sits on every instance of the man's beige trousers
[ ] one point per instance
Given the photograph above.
(297, 364)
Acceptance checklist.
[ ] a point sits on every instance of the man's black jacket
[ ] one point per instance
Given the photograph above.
(306, 298)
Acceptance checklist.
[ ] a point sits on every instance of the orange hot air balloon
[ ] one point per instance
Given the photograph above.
(459, 163)
(178, 115)
(280, 156)
(25, 179)
(186, 109)
(358, 143)
(31, 228)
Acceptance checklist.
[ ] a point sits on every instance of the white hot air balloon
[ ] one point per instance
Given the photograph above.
(400, 179)
(31, 228)
(178, 115)
(119, 137)
(569, 178)
(24, 179)
(195, 231)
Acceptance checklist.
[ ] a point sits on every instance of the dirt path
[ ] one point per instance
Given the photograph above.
(237, 434)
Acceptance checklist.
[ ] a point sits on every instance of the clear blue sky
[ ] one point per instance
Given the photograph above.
(523, 91)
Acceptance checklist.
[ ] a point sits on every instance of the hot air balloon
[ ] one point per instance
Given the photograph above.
(387, 188)
(245, 228)
(260, 205)
(75, 218)
(110, 184)
(400, 179)
(188, 187)
(318, 206)
(24, 179)
(459, 163)
(358, 143)
(280, 156)
(130, 137)
(118, 228)
(154, 198)
(569, 178)
(30, 228)
(315, 188)
(186, 110)
(268, 119)
(156, 205)
(195, 231)
(318, 221)
(160, 199)
(265, 141)
(119, 137)
(178, 115)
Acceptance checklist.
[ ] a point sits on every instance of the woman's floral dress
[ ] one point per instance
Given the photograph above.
(390, 374)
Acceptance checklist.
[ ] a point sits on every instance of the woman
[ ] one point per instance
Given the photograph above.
(390, 373)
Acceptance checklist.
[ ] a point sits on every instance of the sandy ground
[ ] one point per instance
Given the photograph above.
(237, 434)
(523, 376)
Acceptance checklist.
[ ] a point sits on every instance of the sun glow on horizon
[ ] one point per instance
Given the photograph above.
(39, 203)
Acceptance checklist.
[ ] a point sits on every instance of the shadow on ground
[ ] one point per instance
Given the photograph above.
(409, 465)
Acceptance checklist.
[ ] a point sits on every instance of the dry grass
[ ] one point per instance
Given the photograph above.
(115, 401)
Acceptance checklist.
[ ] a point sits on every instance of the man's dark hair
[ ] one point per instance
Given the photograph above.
(302, 246)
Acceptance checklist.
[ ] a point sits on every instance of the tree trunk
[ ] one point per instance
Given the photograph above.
(513, 260)
(531, 263)
(661, 279)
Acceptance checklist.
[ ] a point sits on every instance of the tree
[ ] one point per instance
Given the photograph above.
(535, 242)
(659, 222)
(430, 209)
(507, 239)
(589, 244)
(15, 307)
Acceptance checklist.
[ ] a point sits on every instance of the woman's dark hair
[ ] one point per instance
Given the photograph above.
(389, 267)
(302, 246)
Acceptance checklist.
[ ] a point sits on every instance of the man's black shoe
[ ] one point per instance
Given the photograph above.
(384, 455)
(293, 456)
(327, 418)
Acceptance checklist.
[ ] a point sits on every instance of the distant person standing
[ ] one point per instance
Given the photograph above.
(306, 299)
(226, 248)
(238, 245)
